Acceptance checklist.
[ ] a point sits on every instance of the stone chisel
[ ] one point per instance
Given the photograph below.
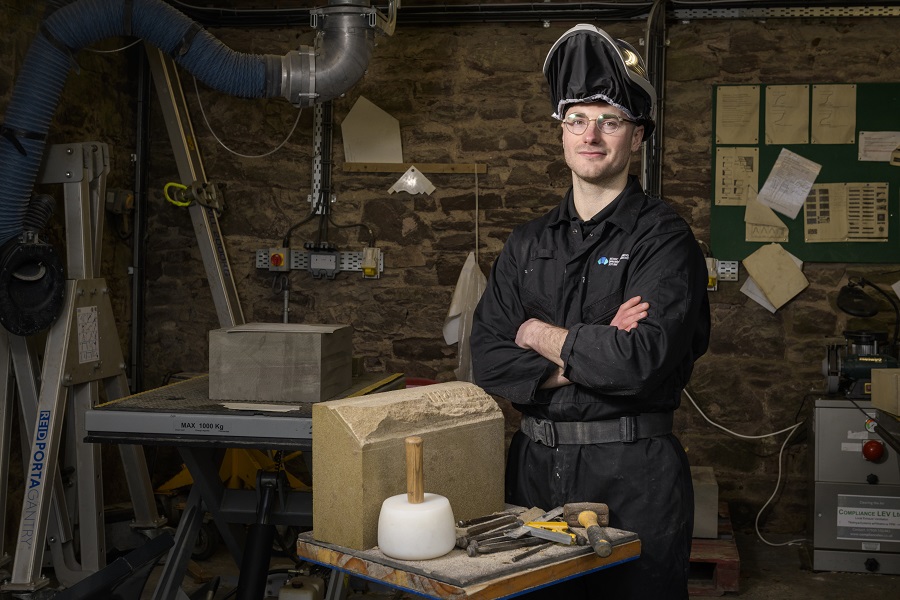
(560, 537)
(547, 516)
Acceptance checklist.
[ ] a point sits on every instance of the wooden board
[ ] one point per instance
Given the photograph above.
(715, 563)
(457, 575)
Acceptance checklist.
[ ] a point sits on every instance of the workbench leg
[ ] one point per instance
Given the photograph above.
(169, 585)
(337, 590)
(203, 464)
(137, 474)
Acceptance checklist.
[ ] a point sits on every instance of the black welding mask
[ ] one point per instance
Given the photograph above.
(587, 65)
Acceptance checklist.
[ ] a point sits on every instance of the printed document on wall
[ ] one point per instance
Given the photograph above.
(737, 114)
(753, 291)
(763, 225)
(789, 182)
(776, 273)
(878, 146)
(787, 114)
(737, 174)
(846, 212)
(834, 114)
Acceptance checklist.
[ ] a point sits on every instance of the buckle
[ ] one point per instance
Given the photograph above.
(543, 432)
(627, 429)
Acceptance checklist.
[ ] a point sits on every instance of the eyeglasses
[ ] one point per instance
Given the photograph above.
(577, 123)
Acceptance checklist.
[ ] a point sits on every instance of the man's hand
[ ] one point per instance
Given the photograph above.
(545, 339)
(555, 380)
(629, 314)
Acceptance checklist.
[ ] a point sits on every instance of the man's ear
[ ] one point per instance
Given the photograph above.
(637, 136)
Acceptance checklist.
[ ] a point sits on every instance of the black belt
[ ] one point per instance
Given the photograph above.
(623, 429)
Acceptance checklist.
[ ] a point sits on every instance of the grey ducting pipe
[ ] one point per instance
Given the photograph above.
(325, 75)
(306, 77)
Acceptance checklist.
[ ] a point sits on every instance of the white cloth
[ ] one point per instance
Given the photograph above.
(458, 324)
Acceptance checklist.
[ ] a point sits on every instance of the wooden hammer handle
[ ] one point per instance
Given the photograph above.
(596, 534)
(599, 542)
(415, 472)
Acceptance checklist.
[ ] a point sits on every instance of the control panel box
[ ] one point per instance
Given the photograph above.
(855, 492)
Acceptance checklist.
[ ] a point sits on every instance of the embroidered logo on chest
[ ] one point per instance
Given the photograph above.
(611, 262)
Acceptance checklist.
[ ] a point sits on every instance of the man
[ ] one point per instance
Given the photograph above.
(590, 325)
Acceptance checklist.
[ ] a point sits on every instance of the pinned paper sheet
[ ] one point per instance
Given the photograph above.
(751, 290)
(896, 288)
(878, 146)
(777, 274)
(763, 225)
(787, 114)
(737, 174)
(833, 114)
(845, 212)
(737, 114)
(412, 182)
(789, 182)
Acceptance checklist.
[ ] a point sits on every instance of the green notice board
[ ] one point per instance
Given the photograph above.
(877, 113)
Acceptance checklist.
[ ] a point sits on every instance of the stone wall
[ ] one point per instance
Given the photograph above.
(473, 94)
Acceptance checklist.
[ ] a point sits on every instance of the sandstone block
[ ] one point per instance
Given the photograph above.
(359, 456)
(280, 362)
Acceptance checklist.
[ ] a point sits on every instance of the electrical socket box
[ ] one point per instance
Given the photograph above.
(728, 270)
(323, 264)
(278, 260)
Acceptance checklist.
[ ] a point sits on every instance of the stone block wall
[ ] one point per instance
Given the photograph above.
(473, 94)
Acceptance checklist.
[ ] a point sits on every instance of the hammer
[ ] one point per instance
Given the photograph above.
(589, 515)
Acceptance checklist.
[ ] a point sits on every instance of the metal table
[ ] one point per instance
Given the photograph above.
(182, 415)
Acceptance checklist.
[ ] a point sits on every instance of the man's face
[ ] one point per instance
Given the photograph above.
(596, 157)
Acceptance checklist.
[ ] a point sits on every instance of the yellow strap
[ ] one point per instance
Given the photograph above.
(179, 186)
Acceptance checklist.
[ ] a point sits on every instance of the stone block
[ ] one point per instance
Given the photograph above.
(358, 456)
(280, 362)
(706, 502)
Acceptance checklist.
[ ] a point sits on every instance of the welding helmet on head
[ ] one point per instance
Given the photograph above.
(587, 65)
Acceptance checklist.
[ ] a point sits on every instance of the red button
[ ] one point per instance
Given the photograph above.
(873, 450)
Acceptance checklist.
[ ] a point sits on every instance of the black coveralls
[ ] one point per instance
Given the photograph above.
(575, 275)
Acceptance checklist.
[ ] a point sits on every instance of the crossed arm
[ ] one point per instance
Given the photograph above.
(547, 340)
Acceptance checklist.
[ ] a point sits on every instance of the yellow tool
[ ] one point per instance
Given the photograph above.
(555, 531)
(551, 525)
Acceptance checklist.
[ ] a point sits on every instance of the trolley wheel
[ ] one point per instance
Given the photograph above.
(207, 542)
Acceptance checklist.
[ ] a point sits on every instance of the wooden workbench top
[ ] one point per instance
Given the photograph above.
(457, 575)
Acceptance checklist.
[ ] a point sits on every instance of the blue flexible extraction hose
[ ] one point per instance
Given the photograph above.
(50, 57)
(31, 275)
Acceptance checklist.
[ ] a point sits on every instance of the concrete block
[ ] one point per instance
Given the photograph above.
(280, 362)
(886, 390)
(706, 502)
(359, 459)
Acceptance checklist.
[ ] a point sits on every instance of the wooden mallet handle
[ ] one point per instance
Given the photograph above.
(415, 473)
(588, 519)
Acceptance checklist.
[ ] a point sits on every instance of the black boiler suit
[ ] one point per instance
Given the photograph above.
(575, 274)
